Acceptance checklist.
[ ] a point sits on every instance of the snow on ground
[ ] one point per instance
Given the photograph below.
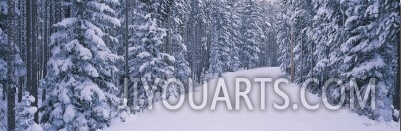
(188, 119)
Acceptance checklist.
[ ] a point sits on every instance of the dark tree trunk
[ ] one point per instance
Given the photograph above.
(46, 43)
(10, 65)
(32, 62)
(35, 63)
(10, 105)
(4, 90)
(21, 46)
(126, 37)
(28, 44)
(397, 95)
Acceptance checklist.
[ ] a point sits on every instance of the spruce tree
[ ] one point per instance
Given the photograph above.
(80, 93)
(389, 32)
(146, 59)
(251, 34)
(25, 116)
(3, 68)
(301, 21)
(196, 38)
(283, 37)
(223, 51)
(182, 71)
(12, 67)
(326, 32)
(366, 56)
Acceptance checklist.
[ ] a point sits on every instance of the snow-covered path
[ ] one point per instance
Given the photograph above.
(187, 119)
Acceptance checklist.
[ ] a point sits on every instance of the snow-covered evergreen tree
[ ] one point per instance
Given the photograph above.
(223, 51)
(3, 68)
(146, 59)
(80, 93)
(234, 26)
(346, 39)
(9, 57)
(326, 33)
(389, 28)
(25, 114)
(196, 38)
(251, 34)
(366, 56)
(5, 49)
(301, 21)
(3, 41)
(182, 71)
(283, 37)
(268, 46)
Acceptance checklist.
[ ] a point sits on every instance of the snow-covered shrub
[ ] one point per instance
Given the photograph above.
(25, 113)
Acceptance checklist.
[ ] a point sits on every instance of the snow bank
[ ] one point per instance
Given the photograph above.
(291, 119)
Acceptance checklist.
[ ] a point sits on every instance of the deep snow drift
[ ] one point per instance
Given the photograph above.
(188, 119)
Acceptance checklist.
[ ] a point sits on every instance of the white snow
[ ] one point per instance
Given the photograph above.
(368, 65)
(67, 22)
(69, 113)
(89, 89)
(187, 119)
(31, 110)
(144, 54)
(90, 70)
(35, 127)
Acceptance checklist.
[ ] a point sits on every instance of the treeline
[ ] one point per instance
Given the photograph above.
(344, 39)
(64, 63)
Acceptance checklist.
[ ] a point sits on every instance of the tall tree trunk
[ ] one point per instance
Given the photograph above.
(398, 79)
(126, 37)
(35, 59)
(292, 55)
(28, 44)
(46, 43)
(302, 60)
(10, 65)
(10, 101)
(20, 45)
(397, 95)
(31, 59)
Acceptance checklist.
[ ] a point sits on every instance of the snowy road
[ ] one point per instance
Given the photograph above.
(291, 119)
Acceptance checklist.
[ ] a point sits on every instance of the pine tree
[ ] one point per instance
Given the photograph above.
(251, 34)
(26, 112)
(182, 71)
(234, 26)
(389, 28)
(11, 65)
(301, 20)
(326, 33)
(197, 39)
(3, 68)
(146, 59)
(3, 44)
(283, 37)
(268, 46)
(223, 50)
(366, 56)
(80, 93)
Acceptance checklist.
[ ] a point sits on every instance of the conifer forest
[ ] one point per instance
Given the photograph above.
(82, 65)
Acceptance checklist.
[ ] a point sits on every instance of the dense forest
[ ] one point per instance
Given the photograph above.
(64, 63)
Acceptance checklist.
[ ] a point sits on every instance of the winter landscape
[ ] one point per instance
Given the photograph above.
(199, 65)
